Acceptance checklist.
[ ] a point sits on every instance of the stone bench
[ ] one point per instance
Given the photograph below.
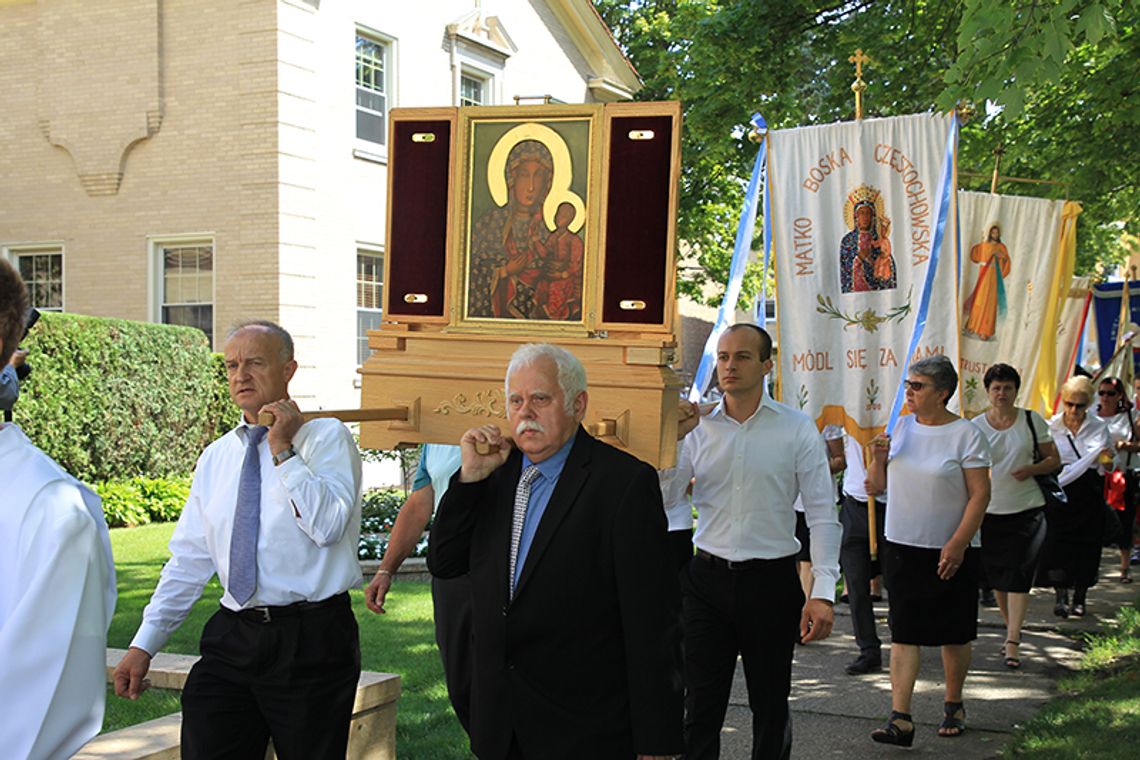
(372, 734)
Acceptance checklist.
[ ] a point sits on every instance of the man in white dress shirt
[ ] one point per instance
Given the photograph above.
(276, 514)
(750, 457)
(57, 586)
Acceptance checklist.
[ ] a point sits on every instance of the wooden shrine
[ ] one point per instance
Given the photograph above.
(509, 225)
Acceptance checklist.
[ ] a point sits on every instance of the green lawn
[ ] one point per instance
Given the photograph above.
(402, 641)
(1098, 712)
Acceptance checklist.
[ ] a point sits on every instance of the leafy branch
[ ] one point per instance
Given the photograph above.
(868, 319)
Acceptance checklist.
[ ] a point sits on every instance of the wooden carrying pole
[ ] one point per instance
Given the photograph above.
(397, 413)
(872, 533)
(596, 429)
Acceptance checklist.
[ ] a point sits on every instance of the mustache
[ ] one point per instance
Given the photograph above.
(526, 425)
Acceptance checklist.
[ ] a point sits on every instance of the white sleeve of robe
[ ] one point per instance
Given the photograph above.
(53, 641)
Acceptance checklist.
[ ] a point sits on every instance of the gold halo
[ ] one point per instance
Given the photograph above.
(864, 193)
(560, 184)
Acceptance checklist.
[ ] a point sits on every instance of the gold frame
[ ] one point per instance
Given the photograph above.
(462, 222)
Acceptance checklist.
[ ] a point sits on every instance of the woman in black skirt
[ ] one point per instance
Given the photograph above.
(1115, 410)
(1014, 529)
(1071, 556)
(939, 485)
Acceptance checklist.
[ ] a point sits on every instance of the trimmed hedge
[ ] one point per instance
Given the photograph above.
(112, 399)
(138, 501)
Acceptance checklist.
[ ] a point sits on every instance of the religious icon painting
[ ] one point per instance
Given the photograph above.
(865, 260)
(527, 218)
(987, 302)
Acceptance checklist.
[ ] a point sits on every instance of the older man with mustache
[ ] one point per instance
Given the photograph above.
(575, 597)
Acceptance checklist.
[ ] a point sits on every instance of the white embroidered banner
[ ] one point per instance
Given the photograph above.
(1009, 249)
(854, 215)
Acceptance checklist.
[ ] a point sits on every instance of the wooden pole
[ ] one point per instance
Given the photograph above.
(998, 152)
(872, 531)
(398, 413)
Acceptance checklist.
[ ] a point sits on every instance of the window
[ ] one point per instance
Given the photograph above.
(369, 299)
(472, 91)
(187, 285)
(371, 89)
(42, 270)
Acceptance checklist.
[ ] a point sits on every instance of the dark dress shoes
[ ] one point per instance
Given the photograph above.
(864, 664)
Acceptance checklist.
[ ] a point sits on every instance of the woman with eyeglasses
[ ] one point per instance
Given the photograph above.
(1070, 558)
(1014, 527)
(1115, 410)
(938, 468)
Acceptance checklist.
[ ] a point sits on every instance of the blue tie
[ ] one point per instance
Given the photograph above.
(247, 520)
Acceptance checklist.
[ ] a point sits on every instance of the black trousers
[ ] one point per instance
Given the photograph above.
(753, 612)
(451, 602)
(293, 679)
(855, 559)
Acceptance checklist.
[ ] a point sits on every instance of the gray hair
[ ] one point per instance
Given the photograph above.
(941, 372)
(571, 373)
(274, 328)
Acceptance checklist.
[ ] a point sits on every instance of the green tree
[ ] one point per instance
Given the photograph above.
(1062, 72)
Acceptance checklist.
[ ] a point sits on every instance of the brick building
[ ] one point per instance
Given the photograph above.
(198, 161)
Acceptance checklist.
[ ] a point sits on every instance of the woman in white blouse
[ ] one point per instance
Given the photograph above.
(1014, 528)
(1070, 558)
(936, 471)
(1115, 410)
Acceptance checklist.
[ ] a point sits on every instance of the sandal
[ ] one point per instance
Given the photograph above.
(893, 733)
(951, 722)
(1011, 662)
(1125, 576)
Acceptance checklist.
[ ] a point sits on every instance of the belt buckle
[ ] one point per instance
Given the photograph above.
(264, 612)
(732, 565)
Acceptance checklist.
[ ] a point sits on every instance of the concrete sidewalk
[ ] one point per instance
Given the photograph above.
(833, 713)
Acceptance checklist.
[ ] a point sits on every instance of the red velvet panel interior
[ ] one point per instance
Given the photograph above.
(418, 233)
(638, 223)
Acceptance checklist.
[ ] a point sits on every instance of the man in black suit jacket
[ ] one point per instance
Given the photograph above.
(578, 653)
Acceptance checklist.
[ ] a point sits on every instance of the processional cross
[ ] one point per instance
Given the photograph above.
(859, 86)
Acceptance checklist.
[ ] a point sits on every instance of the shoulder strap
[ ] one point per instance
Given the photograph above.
(1037, 457)
(1073, 445)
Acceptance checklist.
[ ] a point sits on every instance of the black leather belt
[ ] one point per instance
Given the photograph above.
(265, 615)
(744, 564)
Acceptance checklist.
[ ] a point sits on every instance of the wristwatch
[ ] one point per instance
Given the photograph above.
(284, 456)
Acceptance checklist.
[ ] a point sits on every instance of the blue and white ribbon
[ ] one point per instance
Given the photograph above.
(740, 255)
(944, 190)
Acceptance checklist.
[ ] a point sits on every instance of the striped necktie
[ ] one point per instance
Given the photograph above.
(247, 520)
(522, 500)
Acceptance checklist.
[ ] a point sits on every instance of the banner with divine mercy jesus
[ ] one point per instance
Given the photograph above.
(855, 212)
(1010, 246)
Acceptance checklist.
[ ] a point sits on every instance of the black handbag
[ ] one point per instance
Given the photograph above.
(1050, 488)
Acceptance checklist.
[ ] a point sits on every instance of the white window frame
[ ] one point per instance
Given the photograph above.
(155, 295)
(13, 252)
(485, 80)
(367, 149)
(367, 249)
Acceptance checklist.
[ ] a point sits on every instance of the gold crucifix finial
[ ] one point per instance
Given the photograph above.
(859, 86)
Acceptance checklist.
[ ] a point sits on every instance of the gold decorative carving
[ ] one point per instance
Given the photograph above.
(489, 403)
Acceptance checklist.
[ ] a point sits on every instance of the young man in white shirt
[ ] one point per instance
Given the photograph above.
(276, 514)
(57, 585)
(750, 457)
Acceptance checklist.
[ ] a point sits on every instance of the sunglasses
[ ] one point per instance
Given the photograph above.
(1075, 405)
(1107, 393)
(915, 385)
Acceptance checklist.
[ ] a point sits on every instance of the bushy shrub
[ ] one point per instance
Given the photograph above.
(379, 509)
(138, 501)
(122, 505)
(377, 517)
(111, 398)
